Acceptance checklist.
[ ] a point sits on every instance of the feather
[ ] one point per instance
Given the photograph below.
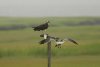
(71, 40)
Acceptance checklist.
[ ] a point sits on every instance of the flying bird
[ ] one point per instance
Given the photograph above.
(41, 27)
(59, 41)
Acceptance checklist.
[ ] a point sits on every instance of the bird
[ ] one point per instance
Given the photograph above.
(59, 41)
(41, 27)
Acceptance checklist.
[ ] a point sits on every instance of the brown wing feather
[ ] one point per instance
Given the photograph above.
(71, 40)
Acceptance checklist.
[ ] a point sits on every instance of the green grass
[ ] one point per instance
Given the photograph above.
(25, 42)
(20, 48)
(76, 61)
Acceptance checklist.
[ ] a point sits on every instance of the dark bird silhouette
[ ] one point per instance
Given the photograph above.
(41, 27)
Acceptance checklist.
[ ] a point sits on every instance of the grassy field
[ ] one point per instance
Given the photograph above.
(20, 48)
(75, 61)
(25, 42)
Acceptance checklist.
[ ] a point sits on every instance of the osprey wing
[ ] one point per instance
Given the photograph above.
(73, 41)
(40, 27)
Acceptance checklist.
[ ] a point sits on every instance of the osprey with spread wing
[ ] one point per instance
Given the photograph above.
(57, 40)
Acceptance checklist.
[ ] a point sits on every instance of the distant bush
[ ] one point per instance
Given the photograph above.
(82, 23)
(13, 27)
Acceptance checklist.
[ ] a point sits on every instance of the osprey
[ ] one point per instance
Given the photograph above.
(41, 27)
(57, 40)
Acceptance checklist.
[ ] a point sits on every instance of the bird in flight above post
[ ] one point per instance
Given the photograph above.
(41, 27)
(57, 40)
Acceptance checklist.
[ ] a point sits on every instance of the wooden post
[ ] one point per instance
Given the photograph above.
(49, 53)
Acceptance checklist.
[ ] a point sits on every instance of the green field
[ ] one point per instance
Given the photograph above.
(20, 48)
(76, 61)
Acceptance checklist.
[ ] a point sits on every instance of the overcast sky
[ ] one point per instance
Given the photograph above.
(43, 8)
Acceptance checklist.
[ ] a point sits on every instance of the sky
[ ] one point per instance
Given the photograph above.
(45, 8)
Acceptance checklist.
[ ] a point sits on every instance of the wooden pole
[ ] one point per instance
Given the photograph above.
(49, 53)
